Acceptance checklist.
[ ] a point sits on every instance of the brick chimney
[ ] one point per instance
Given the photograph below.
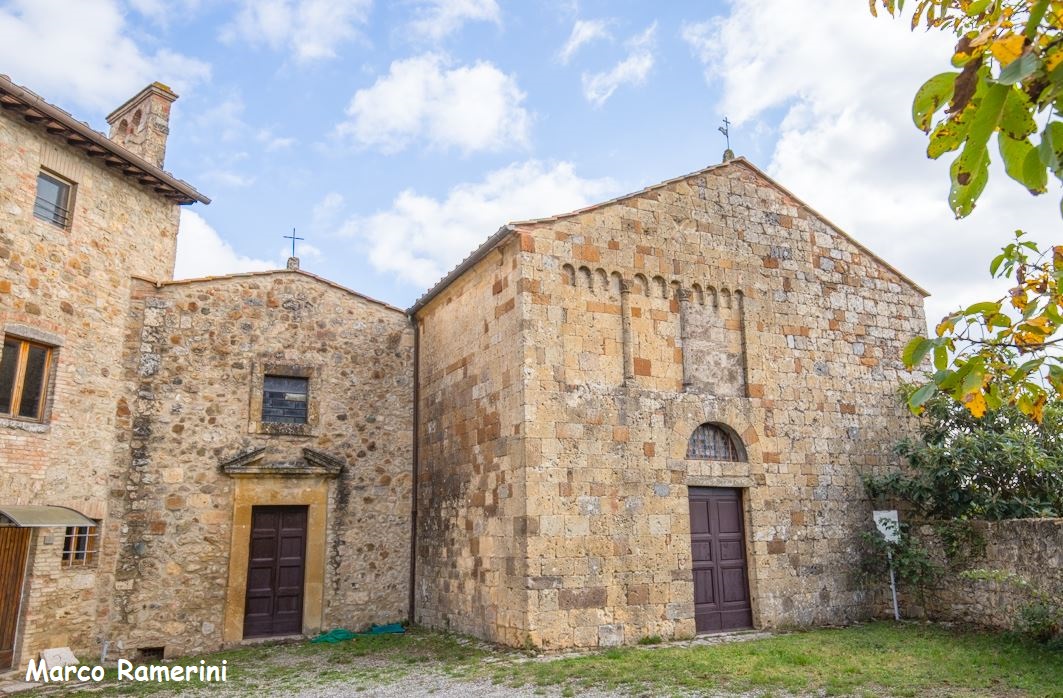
(142, 124)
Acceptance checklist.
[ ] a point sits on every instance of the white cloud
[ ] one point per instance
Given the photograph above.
(420, 238)
(844, 83)
(201, 251)
(326, 212)
(163, 11)
(270, 141)
(584, 31)
(310, 29)
(437, 19)
(82, 52)
(598, 87)
(472, 108)
(228, 178)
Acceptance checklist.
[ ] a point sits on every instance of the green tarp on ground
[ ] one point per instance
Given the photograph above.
(341, 634)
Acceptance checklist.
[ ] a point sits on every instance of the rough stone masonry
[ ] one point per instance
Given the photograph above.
(512, 457)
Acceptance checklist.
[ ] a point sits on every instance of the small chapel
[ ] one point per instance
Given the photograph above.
(648, 417)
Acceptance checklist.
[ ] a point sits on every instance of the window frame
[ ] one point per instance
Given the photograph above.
(19, 384)
(66, 210)
(81, 547)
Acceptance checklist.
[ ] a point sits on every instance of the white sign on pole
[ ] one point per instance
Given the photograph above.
(888, 524)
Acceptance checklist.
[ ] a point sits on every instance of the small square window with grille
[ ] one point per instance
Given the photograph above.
(284, 399)
(80, 546)
(711, 442)
(53, 199)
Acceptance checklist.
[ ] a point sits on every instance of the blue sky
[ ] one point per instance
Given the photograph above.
(395, 136)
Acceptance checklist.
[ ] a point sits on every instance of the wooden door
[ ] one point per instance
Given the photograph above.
(717, 541)
(275, 571)
(14, 547)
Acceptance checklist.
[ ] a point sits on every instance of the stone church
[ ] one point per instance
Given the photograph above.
(645, 418)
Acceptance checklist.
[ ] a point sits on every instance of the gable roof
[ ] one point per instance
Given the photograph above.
(32, 108)
(509, 229)
(271, 272)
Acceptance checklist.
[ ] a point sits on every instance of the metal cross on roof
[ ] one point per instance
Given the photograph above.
(293, 239)
(726, 131)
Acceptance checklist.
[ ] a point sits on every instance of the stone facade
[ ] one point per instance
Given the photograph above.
(197, 349)
(713, 298)
(519, 435)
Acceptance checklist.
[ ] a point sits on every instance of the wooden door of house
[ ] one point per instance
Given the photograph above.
(717, 541)
(14, 548)
(275, 571)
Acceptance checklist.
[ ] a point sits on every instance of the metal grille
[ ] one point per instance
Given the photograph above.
(284, 399)
(711, 442)
(80, 545)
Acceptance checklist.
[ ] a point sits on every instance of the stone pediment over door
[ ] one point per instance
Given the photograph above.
(256, 464)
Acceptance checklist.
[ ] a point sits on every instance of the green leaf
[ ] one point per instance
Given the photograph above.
(941, 358)
(982, 308)
(1017, 118)
(1015, 154)
(915, 350)
(1051, 147)
(972, 382)
(970, 171)
(934, 94)
(949, 134)
(977, 7)
(919, 397)
(1020, 69)
(1034, 173)
(995, 264)
(963, 196)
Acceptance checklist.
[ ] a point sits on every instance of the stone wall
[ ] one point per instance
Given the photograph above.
(471, 499)
(1029, 548)
(778, 325)
(199, 349)
(70, 288)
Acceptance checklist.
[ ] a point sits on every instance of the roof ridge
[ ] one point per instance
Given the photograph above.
(272, 272)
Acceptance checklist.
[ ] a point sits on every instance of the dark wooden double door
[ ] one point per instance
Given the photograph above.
(276, 569)
(717, 541)
(14, 548)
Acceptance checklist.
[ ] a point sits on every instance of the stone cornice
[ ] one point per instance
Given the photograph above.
(312, 464)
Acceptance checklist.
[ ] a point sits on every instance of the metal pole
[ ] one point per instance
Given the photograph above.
(893, 587)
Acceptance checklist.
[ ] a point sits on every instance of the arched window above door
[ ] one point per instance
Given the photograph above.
(715, 442)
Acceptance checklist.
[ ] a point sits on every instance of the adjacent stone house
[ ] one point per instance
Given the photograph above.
(648, 417)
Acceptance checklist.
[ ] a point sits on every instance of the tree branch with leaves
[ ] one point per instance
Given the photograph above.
(1008, 83)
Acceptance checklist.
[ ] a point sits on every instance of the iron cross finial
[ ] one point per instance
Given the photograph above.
(726, 131)
(293, 239)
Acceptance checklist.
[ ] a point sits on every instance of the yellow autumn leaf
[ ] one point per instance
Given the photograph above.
(1037, 412)
(946, 325)
(1018, 299)
(1007, 48)
(1053, 60)
(975, 403)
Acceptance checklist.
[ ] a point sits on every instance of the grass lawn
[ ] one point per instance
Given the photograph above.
(876, 659)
